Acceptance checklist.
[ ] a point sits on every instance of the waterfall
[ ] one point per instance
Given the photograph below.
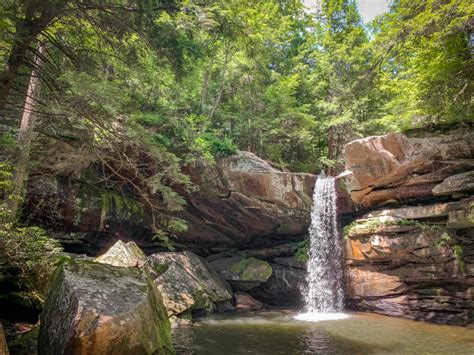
(324, 293)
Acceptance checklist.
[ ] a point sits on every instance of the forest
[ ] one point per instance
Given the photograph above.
(128, 95)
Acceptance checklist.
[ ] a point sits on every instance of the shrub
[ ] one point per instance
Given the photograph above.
(32, 256)
(218, 147)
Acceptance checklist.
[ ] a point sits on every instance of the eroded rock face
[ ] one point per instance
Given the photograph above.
(190, 285)
(3, 342)
(394, 168)
(242, 202)
(283, 288)
(416, 258)
(96, 308)
(409, 268)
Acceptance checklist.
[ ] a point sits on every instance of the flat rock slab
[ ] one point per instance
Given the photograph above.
(96, 308)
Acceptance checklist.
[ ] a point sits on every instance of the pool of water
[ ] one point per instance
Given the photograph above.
(280, 333)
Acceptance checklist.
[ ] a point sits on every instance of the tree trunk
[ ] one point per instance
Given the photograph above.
(36, 17)
(26, 132)
(221, 89)
(15, 61)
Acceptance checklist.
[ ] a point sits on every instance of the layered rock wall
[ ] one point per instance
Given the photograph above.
(412, 253)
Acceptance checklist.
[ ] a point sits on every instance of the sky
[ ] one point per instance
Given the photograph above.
(369, 9)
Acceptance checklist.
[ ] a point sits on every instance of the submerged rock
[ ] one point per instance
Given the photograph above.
(190, 285)
(243, 273)
(121, 254)
(95, 308)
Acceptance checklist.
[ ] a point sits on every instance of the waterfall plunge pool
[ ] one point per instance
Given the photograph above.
(280, 333)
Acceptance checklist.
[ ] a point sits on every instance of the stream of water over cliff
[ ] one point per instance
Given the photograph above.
(324, 294)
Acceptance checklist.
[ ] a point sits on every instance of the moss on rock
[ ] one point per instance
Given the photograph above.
(99, 308)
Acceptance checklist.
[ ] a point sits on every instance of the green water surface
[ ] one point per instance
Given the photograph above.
(278, 333)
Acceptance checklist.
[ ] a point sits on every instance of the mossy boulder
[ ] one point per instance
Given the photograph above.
(243, 273)
(190, 285)
(95, 308)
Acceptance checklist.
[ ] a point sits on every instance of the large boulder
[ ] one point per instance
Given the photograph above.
(97, 308)
(394, 168)
(283, 289)
(243, 273)
(189, 285)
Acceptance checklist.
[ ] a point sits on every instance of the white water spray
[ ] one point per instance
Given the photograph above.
(324, 296)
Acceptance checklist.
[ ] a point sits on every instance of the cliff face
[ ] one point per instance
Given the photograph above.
(243, 208)
(242, 202)
(412, 253)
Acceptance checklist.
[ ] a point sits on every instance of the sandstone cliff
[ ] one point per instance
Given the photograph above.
(412, 253)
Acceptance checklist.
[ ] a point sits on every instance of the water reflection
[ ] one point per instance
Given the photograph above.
(278, 333)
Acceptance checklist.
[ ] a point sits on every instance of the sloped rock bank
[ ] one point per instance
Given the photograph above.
(242, 202)
(412, 254)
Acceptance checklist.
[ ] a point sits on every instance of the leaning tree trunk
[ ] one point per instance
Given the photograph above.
(14, 62)
(26, 131)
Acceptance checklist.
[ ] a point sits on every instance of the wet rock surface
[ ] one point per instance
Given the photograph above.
(96, 308)
(283, 288)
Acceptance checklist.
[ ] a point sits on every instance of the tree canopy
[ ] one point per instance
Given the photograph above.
(135, 90)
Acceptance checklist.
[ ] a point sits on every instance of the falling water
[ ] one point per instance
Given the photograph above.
(324, 295)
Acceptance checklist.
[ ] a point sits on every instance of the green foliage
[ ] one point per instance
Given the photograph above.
(302, 253)
(33, 255)
(447, 241)
(458, 252)
(6, 187)
(443, 241)
(373, 224)
(218, 147)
